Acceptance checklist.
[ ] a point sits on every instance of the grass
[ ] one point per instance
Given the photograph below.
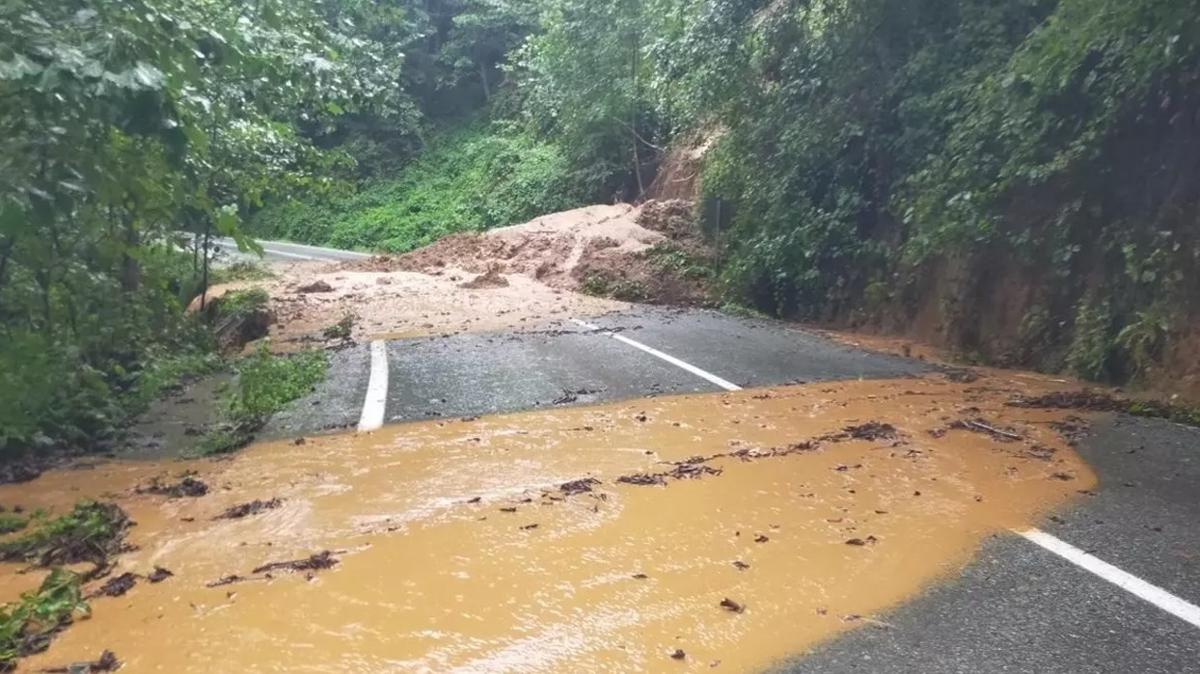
(27, 625)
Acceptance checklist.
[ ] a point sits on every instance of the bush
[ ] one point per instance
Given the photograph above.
(267, 383)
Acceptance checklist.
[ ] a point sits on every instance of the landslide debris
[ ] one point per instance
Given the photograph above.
(318, 562)
(254, 507)
(91, 532)
(107, 662)
(651, 253)
(187, 486)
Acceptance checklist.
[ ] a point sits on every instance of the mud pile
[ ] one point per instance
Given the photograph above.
(650, 253)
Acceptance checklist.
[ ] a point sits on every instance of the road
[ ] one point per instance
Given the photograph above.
(284, 251)
(1112, 587)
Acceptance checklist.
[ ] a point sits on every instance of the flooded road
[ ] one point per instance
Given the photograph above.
(460, 548)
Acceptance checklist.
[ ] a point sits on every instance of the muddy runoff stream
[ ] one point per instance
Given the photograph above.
(723, 531)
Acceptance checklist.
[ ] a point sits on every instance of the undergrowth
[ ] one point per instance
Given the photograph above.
(471, 178)
(265, 384)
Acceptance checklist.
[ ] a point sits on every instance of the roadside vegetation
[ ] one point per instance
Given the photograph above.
(265, 384)
(1016, 181)
(471, 178)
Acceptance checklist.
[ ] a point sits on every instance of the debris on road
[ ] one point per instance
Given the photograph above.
(320, 561)
(117, 586)
(246, 509)
(188, 486)
(492, 278)
(871, 430)
(643, 479)
(578, 486)
(315, 287)
(107, 662)
(159, 574)
(981, 426)
(732, 606)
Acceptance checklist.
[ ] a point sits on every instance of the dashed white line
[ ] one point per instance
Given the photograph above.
(1153, 594)
(728, 386)
(377, 388)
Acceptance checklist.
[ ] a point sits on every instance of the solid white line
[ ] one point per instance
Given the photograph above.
(233, 246)
(1155, 595)
(377, 388)
(330, 254)
(297, 256)
(728, 386)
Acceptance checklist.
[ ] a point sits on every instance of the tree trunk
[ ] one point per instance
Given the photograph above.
(131, 271)
(487, 88)
(633, 113)
(204, 272)
(5, 254)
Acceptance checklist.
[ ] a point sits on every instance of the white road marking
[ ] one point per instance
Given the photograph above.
(271, 247)
(377, 388)
(728, 386)
(1164, 600)
(1153, 594)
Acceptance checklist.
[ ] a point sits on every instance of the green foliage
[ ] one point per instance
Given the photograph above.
(167, 370)
(10, 522)
(1144, 337)
(473, 178)
(1091, 351)
(672, 258)
(266, 383)
(624, 290)
(27, 625)
(340, 330)
(240, 271)
(239, 303)
(122, 121)
(90, 532)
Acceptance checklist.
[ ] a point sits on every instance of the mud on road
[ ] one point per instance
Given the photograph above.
(511, 542)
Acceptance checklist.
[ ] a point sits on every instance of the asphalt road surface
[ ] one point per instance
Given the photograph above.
(1112, 587)
(283, 251)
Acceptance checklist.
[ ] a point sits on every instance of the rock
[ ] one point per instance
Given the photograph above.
(315, 287)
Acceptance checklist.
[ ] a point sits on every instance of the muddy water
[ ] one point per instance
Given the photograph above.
(611, 580)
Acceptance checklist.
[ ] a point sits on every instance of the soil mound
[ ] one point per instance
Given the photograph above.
(651, 253)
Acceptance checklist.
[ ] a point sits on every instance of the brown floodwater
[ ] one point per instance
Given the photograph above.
(441, 569)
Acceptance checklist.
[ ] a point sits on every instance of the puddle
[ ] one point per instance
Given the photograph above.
(440, 569)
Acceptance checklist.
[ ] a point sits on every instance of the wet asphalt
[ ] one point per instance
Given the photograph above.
(1016, 608)
(1019, 608)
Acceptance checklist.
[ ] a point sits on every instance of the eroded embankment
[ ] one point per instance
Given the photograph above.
(681, 533)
